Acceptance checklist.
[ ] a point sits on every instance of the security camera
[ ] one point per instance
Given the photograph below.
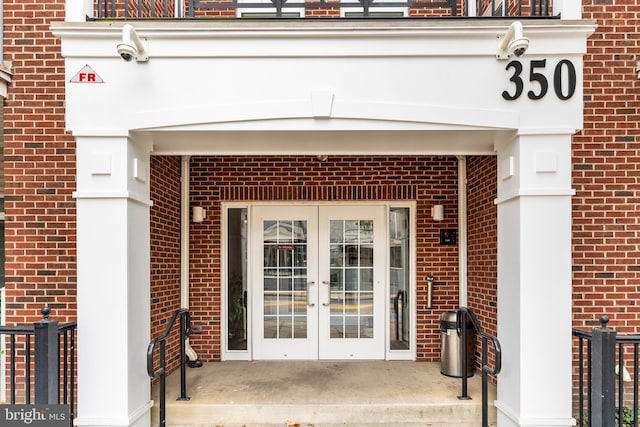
(132, 46)
(513, 42)
(519, 46)
(127, 51)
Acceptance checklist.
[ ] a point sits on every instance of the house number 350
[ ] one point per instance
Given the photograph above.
(564, 69)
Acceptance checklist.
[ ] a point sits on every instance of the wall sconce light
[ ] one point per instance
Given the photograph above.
(199, 214)
(437, 212)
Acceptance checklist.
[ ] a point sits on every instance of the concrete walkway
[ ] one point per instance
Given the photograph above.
(320, 394)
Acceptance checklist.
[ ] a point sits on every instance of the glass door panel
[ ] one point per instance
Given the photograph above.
(237, 316)
(319, 280)
(286, 326)
(285, 261)
(351, 272)
(352, 257)
(399, 286)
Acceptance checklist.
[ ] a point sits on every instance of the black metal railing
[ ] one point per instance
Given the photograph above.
(49, 348)
(161, 372)
(465, 316)
(154, 9)
(602, 389)
(366, 6)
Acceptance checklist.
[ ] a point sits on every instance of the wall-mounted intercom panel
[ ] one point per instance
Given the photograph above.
(448, 236)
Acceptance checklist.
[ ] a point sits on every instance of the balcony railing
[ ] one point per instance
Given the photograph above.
(42, 355)
(175, 9)
(608, 364)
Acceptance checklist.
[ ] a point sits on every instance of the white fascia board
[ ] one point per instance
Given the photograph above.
(196, 39)
(311, 143)
(448, 76)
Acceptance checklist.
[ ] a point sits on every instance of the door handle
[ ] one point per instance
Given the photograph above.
(328, 303)
(309, 303)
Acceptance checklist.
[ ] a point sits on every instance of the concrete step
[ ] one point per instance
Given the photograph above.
(325, 415)
(322, 394)
(294, 424)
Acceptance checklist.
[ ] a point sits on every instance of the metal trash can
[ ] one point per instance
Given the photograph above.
(451, 347)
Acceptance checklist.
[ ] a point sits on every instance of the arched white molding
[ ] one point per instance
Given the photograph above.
(209, 117)
(355, 126)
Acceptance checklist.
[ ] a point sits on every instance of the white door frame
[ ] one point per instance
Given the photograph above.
(298, 348)
(356, 348)
(318, 342)
(390, 354)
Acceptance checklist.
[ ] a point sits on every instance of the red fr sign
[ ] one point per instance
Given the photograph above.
(86, 75)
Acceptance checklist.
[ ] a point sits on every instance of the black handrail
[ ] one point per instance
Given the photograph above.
(464, 316)
(185, 327)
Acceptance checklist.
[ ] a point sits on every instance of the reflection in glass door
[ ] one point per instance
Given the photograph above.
(319, 282)
(351, 273)
(237, 297)
(285, 279)
(400, 279)
(352, 253)
(285, 274)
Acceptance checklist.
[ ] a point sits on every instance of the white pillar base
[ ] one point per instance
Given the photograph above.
(507, 418)
(138, 418)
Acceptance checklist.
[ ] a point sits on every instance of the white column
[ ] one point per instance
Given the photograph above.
(568, 9)
(534, 280)
(78, 10)
(113, 281)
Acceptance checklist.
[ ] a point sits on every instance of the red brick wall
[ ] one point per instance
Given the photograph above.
(215, 179)
(165, 248)
(482, 250)
(606, 173)
(39, 169)
(606, 176)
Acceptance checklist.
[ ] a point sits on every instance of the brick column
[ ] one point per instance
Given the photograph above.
(113, 281)
(534, 280)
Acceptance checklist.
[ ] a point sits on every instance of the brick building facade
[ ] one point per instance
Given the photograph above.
(605, 164)
(40, 207)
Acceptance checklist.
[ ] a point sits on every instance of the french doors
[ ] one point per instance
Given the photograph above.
(319, 282)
